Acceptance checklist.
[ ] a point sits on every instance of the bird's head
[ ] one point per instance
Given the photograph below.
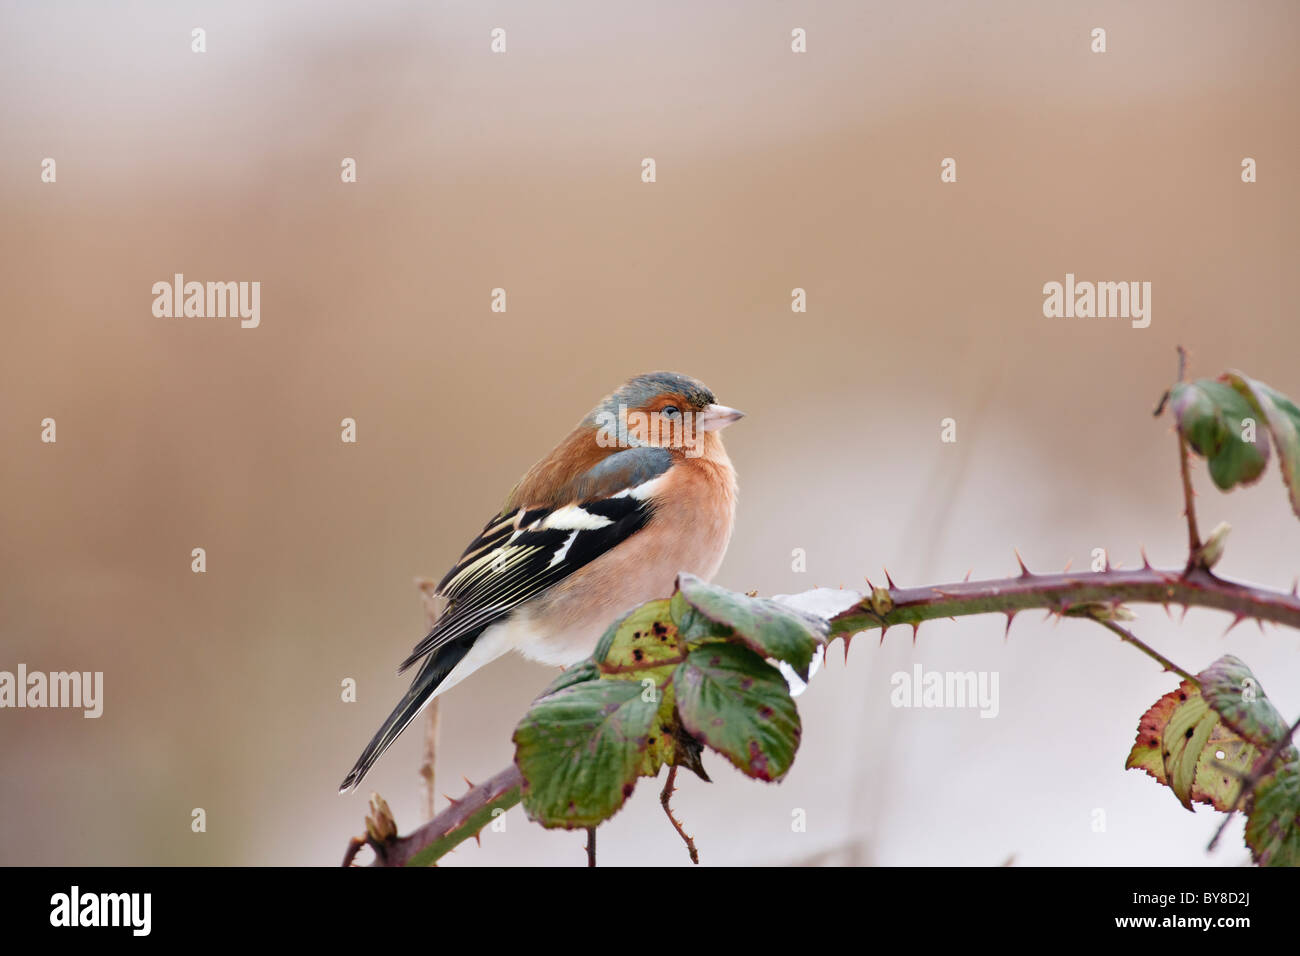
(661, 410)
(663, 416)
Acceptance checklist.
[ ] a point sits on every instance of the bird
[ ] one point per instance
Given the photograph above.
(640, 490)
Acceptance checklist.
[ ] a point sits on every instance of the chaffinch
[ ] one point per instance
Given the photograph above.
(640, 490)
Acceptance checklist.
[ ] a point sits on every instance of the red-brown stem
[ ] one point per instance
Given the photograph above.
(459, 822)
(1060, 592)
(1194, 558)
(665, 800)
(1248, 785)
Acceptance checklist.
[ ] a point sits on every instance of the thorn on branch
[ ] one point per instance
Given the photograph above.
(1024, 571)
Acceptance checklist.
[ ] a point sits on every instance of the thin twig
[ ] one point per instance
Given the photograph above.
(1252, 780)
(1129, 637)
(664, 797)
(1194, 558)
(429, 767)
(591, 846)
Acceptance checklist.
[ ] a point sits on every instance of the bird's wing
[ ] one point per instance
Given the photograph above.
(523, 551)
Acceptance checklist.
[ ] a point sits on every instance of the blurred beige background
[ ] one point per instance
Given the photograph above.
(522, 171)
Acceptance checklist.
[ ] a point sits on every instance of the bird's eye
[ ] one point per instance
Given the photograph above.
(670, 411)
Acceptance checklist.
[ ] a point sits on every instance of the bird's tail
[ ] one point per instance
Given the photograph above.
(435, 670)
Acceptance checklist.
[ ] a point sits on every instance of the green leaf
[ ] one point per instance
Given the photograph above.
(1232, 690)
(1273, 826)
(667, 745)
(1192, 766)
(1210, 416)
(768, 628)
(643, 643)
(739, 704)
(1190, 726)
(1202, 739)
(1283, 420)
(580, 750)
(575, 674)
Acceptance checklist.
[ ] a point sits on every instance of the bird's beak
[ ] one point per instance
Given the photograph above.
(716, 417)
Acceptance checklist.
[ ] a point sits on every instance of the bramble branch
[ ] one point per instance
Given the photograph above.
(1059, 593)
(459, 822)
(1080, 593)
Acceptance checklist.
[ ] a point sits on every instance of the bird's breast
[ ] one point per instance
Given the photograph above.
(688, 531)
